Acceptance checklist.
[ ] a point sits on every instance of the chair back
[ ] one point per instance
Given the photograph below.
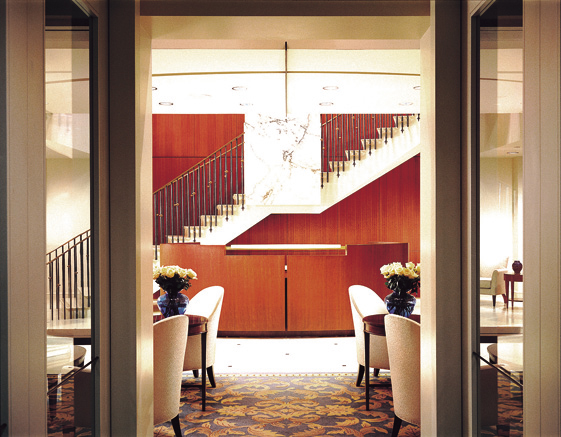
(206, 303)
(170, 336)
(403, 337)
(365, 302)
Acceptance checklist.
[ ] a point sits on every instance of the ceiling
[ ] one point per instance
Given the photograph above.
(279, 81)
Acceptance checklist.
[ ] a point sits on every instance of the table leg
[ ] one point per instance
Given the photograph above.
(367, 369)
(203, 370)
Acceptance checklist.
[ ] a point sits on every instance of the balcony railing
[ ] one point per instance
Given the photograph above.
(68, 278)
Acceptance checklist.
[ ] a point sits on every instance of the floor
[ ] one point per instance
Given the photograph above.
(282, 355)
(333, 354)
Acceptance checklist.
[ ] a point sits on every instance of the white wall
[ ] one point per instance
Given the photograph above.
(68, 199)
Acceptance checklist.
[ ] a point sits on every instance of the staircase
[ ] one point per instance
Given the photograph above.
(357, 149)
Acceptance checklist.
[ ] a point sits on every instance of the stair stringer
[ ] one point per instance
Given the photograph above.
(399, 149)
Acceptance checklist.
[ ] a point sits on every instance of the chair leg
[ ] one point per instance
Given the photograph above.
(359, 375)
(376, 372)
(396, 425)
(210, 373)
(494, 300)
(196, 373)
(176, 426)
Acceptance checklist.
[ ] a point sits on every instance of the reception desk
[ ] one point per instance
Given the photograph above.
(285, 292)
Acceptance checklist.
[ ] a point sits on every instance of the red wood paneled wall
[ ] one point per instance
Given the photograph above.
(180, 141)
(387, 209)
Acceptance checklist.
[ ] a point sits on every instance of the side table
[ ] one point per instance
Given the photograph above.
(374, 325)
(510, 279)
(198, 326)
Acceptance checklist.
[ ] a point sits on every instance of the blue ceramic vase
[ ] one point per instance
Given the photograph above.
(400, 303)
(172, 303)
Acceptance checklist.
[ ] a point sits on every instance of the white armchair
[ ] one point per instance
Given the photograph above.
(492, 278)
(169, 335)
(404, 349)
(206, 303)
(365, 302)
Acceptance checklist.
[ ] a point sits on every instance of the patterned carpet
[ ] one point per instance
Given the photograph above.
(286, 405)
(299, 405)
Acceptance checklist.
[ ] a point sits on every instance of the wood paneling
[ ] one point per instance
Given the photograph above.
(317, 292)
(385, 210)
(254, 286)
(316, 298)
(180, 141)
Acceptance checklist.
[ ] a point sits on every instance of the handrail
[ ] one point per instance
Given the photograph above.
(346, 137)
(66, 271)
(196, 198)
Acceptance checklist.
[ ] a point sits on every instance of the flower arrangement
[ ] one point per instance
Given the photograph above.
(402, 279)
(173, 279)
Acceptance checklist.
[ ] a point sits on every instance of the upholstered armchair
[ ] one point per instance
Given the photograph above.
(492, 278)
(169, 336)
(404, 351)
(206, 303)
(365, 302)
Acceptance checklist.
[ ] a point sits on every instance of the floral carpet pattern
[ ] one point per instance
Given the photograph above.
(298, 405)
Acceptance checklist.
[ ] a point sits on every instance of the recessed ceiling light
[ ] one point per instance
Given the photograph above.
(330, 88)
(239, 88)
(326, 104)
(406, 104)
(418, 87)
(166, 103)
(154, 88)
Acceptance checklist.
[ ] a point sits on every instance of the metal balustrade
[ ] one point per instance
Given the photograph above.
(69, 279)
(210, 191)
(347, 138)
(199, 196)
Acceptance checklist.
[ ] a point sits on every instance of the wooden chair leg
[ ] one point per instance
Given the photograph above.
(210, 373)
(494, 300)
(376, 372)
(196, 373)
(176, 426)
(396, 426)
(359, 375)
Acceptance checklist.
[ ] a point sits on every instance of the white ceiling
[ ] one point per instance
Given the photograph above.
(208, 81)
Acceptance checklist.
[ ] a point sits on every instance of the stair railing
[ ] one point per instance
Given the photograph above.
(198, 196)
(345, 136)
(68, 278)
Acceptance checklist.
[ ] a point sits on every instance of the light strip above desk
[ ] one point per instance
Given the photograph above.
(285, 247)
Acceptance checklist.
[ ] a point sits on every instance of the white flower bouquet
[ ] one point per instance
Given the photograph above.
(173, 279)
(402, 279)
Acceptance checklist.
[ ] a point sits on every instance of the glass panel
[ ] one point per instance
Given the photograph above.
(67, 123)
(500, 202)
